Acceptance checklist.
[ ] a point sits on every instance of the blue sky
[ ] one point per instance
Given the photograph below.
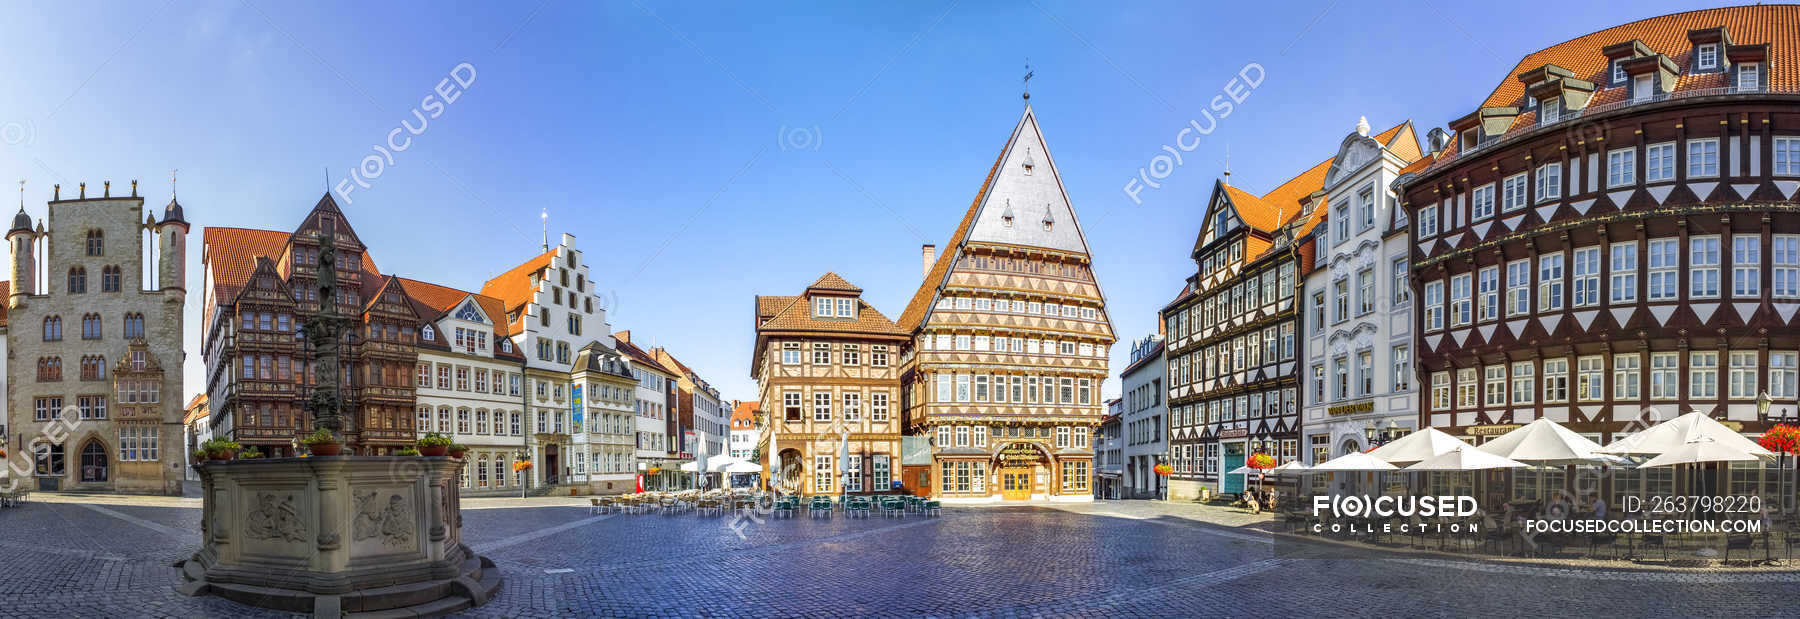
(706, 153)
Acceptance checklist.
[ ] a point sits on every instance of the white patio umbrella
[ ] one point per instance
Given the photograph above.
(1418, 446)
(1291, 468)
(1675, 433)
(1702, 448)
(1544, 442)
(1358, 462)
(736, 466)
(1465, 458)
(690, 467)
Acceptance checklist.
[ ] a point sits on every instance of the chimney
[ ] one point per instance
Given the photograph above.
(928, 256)
(623, 336)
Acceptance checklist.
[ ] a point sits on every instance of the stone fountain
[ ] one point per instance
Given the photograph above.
(336, 535)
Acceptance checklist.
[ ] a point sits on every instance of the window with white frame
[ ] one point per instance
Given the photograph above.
(962, 387)
(1365, 373)
(1741, 380)
(1460, 313)
(1587, 276)
(1784, 266)
(1556, 381)
(1551, 111)
(1550, 282)
(1440, 391)
(1402, 369)
(1622, 271)
(1703, 267)
(821, 407)
(1524, 383)
(822, 473)
(1340, 299)
(1627, 376)
(1518, 287)
(1549, 182)
(1665, 265)
(1365, 291)
(1706, 56)
(1703, 158)
(1493, 381)
(1512, 193)
(1318, 383)
(1402, 285)
(1659, 162)
(1787, 156)
(1749, 76)
(1465, 388)
(1746, 265)
(1365, 206)
(1488, 291)
(1665, 376)
(1481, 201)
(1590, 378)
(1434, 305)
(1428, 221)
(1782, 374)
(962, 436)
(1621, 167)
(1340, 383)
(1618, 71)
(1703, 375)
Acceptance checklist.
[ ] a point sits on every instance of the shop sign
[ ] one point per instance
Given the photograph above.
(1365, 406)
(1235, 433)
(1020, 454)
(1494, 430)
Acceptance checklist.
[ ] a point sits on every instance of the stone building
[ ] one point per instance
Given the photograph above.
(606, 392)
(261, 289)
(469, 383)
(653, 419)
(1360, 389)
(1143, 419)
(97, 407)
(1611, 237)
(552, 311)
(827, 371)
(1009, 336)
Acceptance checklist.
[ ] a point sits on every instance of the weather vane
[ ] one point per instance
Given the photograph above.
(1027, 80)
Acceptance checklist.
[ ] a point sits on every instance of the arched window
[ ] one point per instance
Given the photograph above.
(134, 325)
(49, 369)
(93, 367)
(96, 243)
(93, 462)
(109, 279)
(53, 328)
(90, 326)
(77, 280)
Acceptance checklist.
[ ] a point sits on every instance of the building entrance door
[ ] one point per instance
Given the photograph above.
(551, 464)
(1234, 458)
(1015, 484)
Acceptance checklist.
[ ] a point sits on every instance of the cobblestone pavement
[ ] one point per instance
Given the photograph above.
(113, 556)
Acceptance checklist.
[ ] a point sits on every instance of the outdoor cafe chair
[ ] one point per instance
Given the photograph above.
(1609, 540)
(1736, 541)
(893, 507)
(1659, 540)
(933, 507)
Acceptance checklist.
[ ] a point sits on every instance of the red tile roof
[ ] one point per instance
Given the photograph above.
(232, 252)
(744, 416)
(5, 291)
(831, 281)
(1777, 25)
(797, 316)
(432, 301)
(513, 288)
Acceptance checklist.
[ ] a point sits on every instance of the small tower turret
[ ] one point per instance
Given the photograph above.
(171, 268)
(24, 263)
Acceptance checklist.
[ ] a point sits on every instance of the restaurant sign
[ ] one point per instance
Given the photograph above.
(1494, 430)
(1235, 433)
(1365, 406)
(1020, 454)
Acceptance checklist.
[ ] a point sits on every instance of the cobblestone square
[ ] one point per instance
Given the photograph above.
(114, 556)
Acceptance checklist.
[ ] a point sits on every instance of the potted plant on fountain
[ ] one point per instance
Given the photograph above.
(323, 443)
(407, 451)
(220, 449)
(434, 445)
(458, 449)
(251, 454)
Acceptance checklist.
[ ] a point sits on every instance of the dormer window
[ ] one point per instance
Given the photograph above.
(427, 332)
(1749, 76)
(1618, 71)
(821, 307)
(1706, 56)
(1552, 111)
(1470, 139)
(846, 308)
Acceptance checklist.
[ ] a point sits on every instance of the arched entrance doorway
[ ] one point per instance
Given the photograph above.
(1020, 465)
(787, 478)
(1348, 447)
(93, 462)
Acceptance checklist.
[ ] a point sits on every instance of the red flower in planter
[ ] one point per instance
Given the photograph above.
(1262, 461)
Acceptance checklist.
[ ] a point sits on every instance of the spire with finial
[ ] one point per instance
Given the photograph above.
(1362, 126)
(172, 174)
(1228, 163)
(544, 216)
(1027, 81)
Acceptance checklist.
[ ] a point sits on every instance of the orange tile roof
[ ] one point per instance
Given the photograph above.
(766, 307)
(744, 416)
(1776, 25)
(831, 281)
(232, 252)
(432, 301)
(513, 288)
(639, 357)
(797, 316)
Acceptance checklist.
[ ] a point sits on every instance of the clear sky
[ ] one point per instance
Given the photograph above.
(704, 153)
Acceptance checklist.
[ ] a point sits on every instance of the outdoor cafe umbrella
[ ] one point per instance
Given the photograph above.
(1675, 433)
(1465, 459)
(1418, 446)
(1355, 462)
(1545, 442)
(1700, 448)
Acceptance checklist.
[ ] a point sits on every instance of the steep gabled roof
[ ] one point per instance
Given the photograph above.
(432, 301)
(513, 288)
(1293, 199)
(1008, 209)
(231, 253)
(831, 281)
(796, 315)
(640, 357)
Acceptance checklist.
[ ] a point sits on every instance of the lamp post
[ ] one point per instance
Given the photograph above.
(1763, 404)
